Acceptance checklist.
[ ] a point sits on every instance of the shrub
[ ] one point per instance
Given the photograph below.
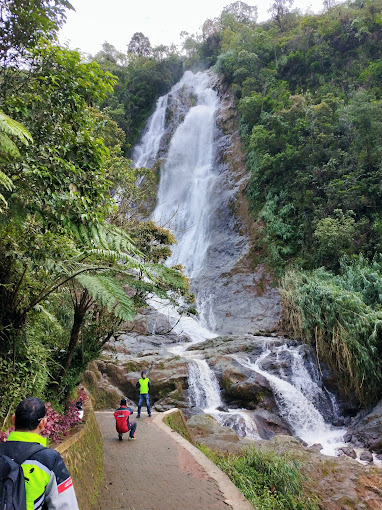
(58, 425)
(269, 481)
(341, 316)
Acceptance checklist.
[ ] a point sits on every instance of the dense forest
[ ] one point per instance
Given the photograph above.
(308, 92)
(74, 266)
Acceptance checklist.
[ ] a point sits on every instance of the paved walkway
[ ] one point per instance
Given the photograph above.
(153, 472)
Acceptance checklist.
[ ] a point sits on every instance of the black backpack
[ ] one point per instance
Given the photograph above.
(12, 482)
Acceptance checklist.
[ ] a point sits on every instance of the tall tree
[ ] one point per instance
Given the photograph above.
(140, 45)
(279, 10)
(242, 12)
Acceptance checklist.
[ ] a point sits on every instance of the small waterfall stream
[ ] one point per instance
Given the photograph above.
(188, 180)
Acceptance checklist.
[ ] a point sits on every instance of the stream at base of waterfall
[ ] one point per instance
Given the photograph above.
(193, 201)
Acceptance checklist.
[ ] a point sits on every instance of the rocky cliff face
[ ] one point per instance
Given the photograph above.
(238, 290)
(245, 306)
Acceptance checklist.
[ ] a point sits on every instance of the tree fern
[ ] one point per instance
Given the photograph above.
(8, 148)
(10, 127)
(108, 293)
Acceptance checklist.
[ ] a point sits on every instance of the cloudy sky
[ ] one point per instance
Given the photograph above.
(115, 21)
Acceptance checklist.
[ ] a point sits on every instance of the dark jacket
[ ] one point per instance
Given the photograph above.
(47, 481)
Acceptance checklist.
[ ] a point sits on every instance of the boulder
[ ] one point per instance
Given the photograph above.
(270, 424)
(168, 376)
(366, 456)
(241, 387)
(347, 450)
(367, 431)
(202, 425)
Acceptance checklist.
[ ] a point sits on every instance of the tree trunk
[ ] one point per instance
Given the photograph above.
(79, 315)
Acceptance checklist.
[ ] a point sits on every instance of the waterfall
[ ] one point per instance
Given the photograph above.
(295, 400)
(187, 178)
(145, 153)
(203, 386)
(190, 203)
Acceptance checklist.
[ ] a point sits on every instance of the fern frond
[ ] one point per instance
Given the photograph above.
(8, 146)
(108, 293)
(5, 181)
(117, 256)
(105, 236)
(11, 127)
(52, 318)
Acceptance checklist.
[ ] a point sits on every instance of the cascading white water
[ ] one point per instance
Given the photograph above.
(185, 206)
(295, 402)
(187, 177)
(145, 153)
(203, 385)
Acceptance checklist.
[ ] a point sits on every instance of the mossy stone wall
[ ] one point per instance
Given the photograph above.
(83, 455)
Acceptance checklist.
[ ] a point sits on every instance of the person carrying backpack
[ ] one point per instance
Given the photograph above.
(144, 386)
(33, 477)
(122, 422)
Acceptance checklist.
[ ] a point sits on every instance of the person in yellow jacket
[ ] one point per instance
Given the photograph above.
(144, 386)
(48, 484)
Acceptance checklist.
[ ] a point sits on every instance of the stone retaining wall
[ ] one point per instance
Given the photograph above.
(82, 452)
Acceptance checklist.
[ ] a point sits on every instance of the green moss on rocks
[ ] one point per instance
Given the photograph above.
(84, 459)
(177, 422)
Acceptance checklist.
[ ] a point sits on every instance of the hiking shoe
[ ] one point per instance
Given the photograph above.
(120, 437)
(131, 438)
(138, 415)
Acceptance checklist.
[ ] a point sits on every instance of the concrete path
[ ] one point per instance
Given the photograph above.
(156, 472)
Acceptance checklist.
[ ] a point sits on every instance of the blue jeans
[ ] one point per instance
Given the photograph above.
(132, 429)
(142, 397)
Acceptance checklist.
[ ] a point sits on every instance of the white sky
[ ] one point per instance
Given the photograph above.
(115, 21)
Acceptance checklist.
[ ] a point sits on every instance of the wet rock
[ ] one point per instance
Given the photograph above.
(205, 425)
(349, 452)
(241, 386)
(224, 409)
(366, 456)
(317, 447)
(159, 324)
(367, 432)
(269, 424)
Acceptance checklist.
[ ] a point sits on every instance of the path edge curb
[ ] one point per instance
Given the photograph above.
(232, 495)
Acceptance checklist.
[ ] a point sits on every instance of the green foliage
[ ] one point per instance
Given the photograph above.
(27, 376)
(308, 91)
(269, 481)
(70, 272)
(108, 293)
(9, 129)
(310, 107)
(335, 236)
(341, 317)
(145, 75)
(24, 23)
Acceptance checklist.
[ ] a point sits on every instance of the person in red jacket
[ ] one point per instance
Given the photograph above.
(122, 422)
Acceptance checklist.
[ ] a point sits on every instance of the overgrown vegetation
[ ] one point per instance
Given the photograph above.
(73, 266)
(269, 481)
(341, 317)
(308, 90)
(144, 74)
